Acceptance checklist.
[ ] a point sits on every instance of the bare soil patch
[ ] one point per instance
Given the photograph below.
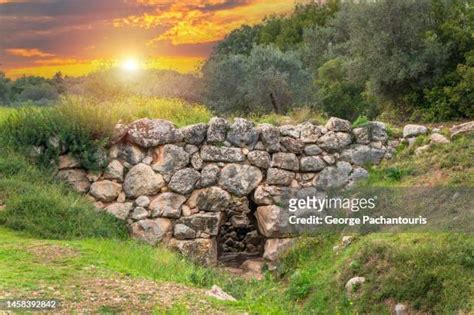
(49, 253)
(120, 294)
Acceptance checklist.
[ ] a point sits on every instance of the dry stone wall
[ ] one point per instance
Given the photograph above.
(213, 190)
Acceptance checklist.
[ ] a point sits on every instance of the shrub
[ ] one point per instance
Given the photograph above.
(267, 80)
(360, 121)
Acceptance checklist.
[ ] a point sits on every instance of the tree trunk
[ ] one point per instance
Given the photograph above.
(274, 103)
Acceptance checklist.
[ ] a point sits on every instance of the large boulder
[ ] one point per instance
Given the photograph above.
(290, 131)
(68, 161)
(130, 153)
(334, 177)
(309, 133)
(221, 154)
(276, 176)
(167, 205)
(359, 174)
(139, 213)
(461, 129)
(184, 181)
(361, 154)
(270, 137)
(76, 178)
(105, 190)
(114, 170)
(353, 285)
(272, 221)
(337, 124)
(240, 180)
(238, 205)
(334, 141)
(414, 131)
(292, 145)
(312, 149)
(362, 135)
(142, 201)
(242, 133)
(142, 180)
(196, 161)
(216, 133)
(286, 161)
(120, 210)
(207, 223)
(194, 134)
(183, 232)
(312, 164)
(209, 175)
(439, 138)
(268, 194)
(275, 248)
(213, 199)
(170, 158)
(259, 158)
(151, 231)
(378, 131)
(119, 133)
(200, 250)
(152, 132)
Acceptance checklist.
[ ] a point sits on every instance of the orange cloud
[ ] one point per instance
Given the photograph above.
(57, 61)
(192, 23)
(28, 53)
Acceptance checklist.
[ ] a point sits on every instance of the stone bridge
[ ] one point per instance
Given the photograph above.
(214, 191)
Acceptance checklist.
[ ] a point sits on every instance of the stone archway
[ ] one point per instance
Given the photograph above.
(239, 238)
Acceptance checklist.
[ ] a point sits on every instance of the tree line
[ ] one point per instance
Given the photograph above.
(411, 59)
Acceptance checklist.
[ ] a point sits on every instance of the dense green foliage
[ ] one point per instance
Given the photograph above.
(37, 204)
(412, 59)
(34, 90)
(267, 80)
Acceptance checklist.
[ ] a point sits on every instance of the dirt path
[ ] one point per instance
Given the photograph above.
(118, 294)
(93, 290)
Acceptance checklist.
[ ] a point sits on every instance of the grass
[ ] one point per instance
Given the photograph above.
(84, 125)
(296, 116)
(127, 257)
(429, 272)
(4, 113)
(41, 206)
(443, 164)
(109, 257)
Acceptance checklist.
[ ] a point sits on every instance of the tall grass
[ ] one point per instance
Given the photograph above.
(37, 204)
(84, 125)
(4, 113)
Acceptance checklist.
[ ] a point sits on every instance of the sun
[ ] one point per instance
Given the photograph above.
(130, 65)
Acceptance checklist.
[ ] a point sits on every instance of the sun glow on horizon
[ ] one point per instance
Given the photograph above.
(130, 65)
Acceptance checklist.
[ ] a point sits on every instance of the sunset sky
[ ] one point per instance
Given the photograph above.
(75, 37)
